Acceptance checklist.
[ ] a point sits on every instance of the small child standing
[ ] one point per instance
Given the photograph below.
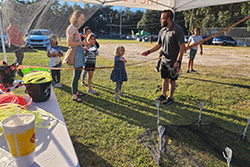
(91, 60)
(55, 53)
(119, 74)
(192, 40)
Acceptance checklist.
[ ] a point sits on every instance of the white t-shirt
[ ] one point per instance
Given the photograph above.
(194, 39)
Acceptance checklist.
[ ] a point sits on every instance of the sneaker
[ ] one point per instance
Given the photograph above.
(117, 98)
(161, 98)
(83, 83)
(168, 101)
(157, 69)
(91, 91)
(56, 85)
(59, 84)
(188, 71)
(122, 95)
(193, 70)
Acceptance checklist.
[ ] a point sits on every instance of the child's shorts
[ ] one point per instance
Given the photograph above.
(192, 53)
(91, 66)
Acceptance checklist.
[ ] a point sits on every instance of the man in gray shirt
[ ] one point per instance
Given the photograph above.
(171, 40)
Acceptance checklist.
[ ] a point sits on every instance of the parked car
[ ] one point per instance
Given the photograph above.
(38, 38)
(224, 40)
(208, 42)
(5, 41)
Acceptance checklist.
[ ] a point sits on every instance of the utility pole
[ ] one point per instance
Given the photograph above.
(121, 23)
(110, 24)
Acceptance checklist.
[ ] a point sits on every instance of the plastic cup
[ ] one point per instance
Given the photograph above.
(20, 136)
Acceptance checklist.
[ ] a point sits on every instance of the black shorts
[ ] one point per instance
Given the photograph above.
(165, 72)
(91, 66)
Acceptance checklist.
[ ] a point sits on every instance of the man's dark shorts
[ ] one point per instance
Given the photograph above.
(165, 72)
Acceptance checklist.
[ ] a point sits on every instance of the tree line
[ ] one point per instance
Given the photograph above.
(106, 20)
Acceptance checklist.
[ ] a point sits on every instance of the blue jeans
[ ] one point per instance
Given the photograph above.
(77, 74)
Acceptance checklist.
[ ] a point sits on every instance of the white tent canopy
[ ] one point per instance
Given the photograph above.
(176, 5)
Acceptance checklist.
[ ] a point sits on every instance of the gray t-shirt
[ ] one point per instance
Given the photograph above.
(170, 40)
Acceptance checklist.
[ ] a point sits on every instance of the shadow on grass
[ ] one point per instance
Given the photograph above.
(87, 157)
(130, 112)
(204, 80)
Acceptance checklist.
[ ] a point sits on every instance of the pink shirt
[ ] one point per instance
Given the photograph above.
(15, 36)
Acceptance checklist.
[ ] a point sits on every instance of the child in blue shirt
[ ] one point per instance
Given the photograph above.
(55, 53)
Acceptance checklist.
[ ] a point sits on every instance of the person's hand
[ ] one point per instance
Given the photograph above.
(60, 55)
(125, 60)
(84, 43)
(145, 53)
(177, 65)
(201, 52)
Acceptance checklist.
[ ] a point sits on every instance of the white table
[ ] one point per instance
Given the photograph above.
(53, 146)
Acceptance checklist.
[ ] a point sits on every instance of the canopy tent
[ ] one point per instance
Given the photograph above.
(176, 5)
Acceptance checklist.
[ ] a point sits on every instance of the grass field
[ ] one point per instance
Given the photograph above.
(104, 131)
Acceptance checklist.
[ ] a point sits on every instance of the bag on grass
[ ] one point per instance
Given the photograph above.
(70, 56)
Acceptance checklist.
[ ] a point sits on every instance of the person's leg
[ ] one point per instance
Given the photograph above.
(192, 63)
(172, 85)
(117, 88)
(84, 73)
(53, 75)
(188, 65)
(58, 75)
(19, 56)
(165, 82)
(77, 74)
(90, 76)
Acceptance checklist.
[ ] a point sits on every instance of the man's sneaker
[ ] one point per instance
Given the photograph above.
(83, 83)
(91, 91)
(157, 69)
(193, 70)
(161, 98)
(168, 101)
(188, 71)
(122, 95)
(117, 98)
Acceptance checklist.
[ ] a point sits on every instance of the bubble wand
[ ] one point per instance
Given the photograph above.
(201, 105)
(248, 122)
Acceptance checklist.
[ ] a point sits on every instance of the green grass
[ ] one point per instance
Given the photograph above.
(104, 132)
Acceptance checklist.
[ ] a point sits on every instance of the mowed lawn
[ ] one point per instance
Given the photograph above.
(104, 131)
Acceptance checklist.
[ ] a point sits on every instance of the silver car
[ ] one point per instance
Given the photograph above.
(38, 38)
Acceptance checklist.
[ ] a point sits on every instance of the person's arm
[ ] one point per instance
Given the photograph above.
(70, 41)
(180, 55)
(153, 49)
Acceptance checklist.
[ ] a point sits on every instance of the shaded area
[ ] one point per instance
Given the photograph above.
(87, 157)
(189, 145)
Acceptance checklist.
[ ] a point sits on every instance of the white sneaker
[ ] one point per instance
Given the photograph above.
(117, 98)
(59, 84)
(91, 91)
(56, 85)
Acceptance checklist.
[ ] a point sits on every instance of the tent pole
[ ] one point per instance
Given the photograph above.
(2, 39)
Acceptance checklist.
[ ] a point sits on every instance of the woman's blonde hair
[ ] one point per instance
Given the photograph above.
(90, 36)
(53, 37)
(76, 14)
(118, 49)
